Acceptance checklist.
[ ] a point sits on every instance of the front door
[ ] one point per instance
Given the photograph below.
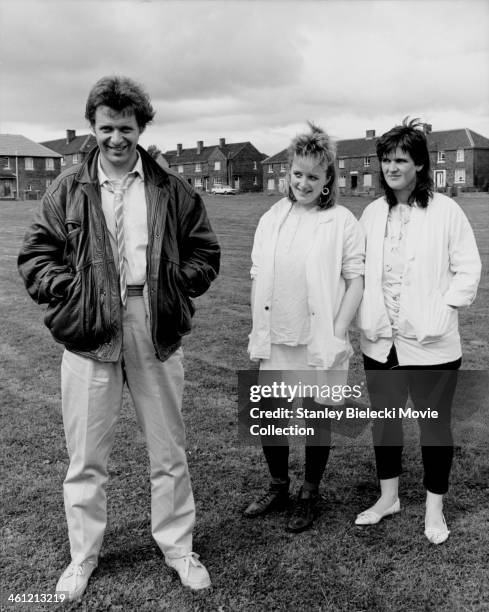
(6, 188)
(440, 178)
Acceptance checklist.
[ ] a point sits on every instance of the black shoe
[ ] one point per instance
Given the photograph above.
(276, 498)
(303, 514)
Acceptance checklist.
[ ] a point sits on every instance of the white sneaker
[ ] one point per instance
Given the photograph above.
(191, 571)
(74, 579)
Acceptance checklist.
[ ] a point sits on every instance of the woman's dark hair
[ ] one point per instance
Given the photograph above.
(410, 138)
(119, 93)
(319, 146)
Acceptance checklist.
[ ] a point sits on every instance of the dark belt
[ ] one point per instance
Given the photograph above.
(134, 290)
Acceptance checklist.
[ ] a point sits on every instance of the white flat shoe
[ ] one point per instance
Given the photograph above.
(370, 517)
(436, 535)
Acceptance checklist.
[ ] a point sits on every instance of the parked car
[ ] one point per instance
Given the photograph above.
(224, 190)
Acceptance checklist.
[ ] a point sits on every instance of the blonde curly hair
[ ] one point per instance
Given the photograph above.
(317, 145)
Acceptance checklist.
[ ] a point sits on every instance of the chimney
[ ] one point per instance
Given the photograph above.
(222, 142)
(179, 149)
(427, 128)
(370, 134)
(200, 146)
(70, 135)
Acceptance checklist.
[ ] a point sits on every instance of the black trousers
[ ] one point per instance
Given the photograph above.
(429, 387)
(276, 448)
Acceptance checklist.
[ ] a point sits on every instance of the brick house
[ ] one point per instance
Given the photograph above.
(357, 165)
(459, 162)
(73, 149)
(204, 167)
(274, 172)
(26, 168)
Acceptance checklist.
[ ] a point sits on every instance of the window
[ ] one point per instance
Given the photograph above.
(63, 161)
(180, 169)
(49, 163)
(198, 182)
(342, 181)
(283, 168)
(366, 161)
(29, 163)
(460, 155)
(217, 165)
(271, 184)
(441, 157)
(341, 163)
(459, 175)
(7, 163)
(367, 180)
(255, 167)
(29, 187)
(217, 180)
(48, 182)
(198, 167)
(76, 158)
(270, 168)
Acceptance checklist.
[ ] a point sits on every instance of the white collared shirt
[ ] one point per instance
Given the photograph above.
(135, 222)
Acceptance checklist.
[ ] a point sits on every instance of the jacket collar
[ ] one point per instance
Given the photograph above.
(283, 206)
(153, 172)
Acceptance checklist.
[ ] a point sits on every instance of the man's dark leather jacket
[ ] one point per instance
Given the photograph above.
(66, 261)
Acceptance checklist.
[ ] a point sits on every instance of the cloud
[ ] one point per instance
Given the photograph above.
(249, 68)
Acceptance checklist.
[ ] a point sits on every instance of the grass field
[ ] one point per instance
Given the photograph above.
(254, 565)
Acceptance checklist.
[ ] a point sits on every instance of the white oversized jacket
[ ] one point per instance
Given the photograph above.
(441, 273)
(336, 253)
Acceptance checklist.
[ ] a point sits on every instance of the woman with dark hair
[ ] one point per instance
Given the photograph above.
(308, 258)
(422, 264)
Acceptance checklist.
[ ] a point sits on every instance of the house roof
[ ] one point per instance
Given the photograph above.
(79, 144)
(480, 142)
(188, 156)
(443, 140)
(20, 146)
(456, 139)
(356, 147)
(280, 157)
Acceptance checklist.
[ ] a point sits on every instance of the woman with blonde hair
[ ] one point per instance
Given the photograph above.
(422, 265)
(308, 262)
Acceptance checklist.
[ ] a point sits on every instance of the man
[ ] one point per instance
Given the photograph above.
(116, 251)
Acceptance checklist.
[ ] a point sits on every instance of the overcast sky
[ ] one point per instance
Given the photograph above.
(248, 70)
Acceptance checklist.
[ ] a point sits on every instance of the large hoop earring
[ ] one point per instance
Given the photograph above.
(325, 191)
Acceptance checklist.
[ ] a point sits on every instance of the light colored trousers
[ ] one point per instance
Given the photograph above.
(91, 403)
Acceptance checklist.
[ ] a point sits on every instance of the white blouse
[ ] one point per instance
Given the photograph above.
(290, 316)
(394, 259)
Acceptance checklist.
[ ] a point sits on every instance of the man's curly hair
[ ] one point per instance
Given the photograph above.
(119, 93)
